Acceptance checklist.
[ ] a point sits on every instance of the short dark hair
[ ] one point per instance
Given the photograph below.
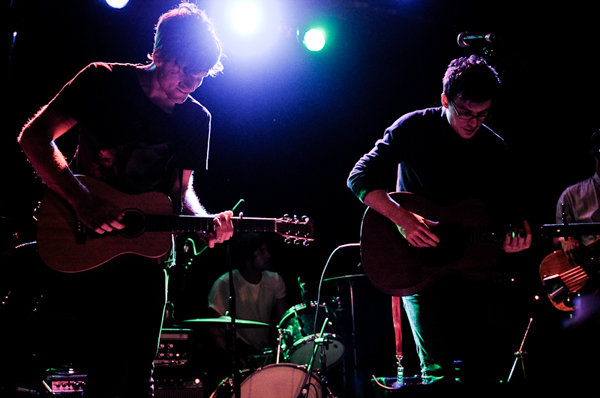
(187, 36)
(470, 79)
(242, 247)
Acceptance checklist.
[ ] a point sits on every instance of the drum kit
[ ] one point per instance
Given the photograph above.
(309, 345)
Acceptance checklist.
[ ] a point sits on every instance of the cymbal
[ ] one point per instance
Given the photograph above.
(226, 320)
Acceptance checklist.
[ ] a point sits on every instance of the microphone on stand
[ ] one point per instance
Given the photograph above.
(465, 39)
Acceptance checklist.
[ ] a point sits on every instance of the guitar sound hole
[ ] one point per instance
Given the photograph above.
(134, 224)
(452, 246)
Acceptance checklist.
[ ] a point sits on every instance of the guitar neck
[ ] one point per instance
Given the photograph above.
(485, 234)
(181, 224)
(493, 234)
(293, 229)
(572, 229)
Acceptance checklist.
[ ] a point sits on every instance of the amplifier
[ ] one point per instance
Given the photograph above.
(178, 387)
(173, 348)
(70, 384)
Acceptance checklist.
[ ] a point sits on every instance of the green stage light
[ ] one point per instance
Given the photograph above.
(314, 40)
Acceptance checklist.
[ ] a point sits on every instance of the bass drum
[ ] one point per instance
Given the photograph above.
(298, 336)
(280, 380)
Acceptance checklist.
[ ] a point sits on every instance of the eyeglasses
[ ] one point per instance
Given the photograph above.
(481, 117)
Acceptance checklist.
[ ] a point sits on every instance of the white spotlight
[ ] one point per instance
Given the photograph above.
(245, 17)
(117, 3)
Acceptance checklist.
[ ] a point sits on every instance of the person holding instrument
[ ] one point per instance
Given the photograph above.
(580, 203)
(443, 156)
(139, 130)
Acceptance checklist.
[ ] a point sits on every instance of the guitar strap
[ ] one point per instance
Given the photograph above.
(397, 316)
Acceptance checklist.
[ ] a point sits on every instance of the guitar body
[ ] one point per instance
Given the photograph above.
(562, 277)
(398, 269)
(64, 249)
(65, 245)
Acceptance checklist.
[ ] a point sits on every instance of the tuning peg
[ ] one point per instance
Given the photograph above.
(305, 219)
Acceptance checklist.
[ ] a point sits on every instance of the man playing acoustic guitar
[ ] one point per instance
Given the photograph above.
(139, 131)
(444, 156)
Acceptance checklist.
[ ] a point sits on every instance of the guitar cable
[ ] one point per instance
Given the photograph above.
(191, 244)
(306, 384)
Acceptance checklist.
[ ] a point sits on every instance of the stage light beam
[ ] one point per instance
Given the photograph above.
(117, 3)
(314, 40)
(245, 17)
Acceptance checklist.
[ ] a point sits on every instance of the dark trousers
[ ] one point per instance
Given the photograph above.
(124, 308)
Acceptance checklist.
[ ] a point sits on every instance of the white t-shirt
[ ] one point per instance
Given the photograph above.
(254, 302)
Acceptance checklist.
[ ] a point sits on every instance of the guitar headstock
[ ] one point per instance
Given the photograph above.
(295, 230)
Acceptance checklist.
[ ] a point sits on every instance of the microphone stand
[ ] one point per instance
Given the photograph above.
(519, 355)
(233, 315)
(304, 392)
(232, 331)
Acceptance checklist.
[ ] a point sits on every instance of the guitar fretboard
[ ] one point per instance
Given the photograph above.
(485, 235)
(180, 224)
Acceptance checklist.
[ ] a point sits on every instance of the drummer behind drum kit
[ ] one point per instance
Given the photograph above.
(308, 346)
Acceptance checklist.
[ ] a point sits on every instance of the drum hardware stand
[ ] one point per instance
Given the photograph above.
(281, 332)
(318, 342)
(352, 315)
(520, 355)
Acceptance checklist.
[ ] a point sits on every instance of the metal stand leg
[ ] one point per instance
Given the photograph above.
(520, 355)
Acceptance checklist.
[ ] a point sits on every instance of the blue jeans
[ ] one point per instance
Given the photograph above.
(448, 326)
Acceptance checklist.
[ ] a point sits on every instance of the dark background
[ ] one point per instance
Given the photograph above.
(288, 125)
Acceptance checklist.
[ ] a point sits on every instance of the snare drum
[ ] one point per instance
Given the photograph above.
(298, 336)
(280, 380)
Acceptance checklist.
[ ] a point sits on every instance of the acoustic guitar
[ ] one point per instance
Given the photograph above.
(467, 248)
(66, 245)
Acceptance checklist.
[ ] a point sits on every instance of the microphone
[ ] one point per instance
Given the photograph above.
(464, 39)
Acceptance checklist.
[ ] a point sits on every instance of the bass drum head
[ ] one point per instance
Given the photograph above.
(281, 380)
